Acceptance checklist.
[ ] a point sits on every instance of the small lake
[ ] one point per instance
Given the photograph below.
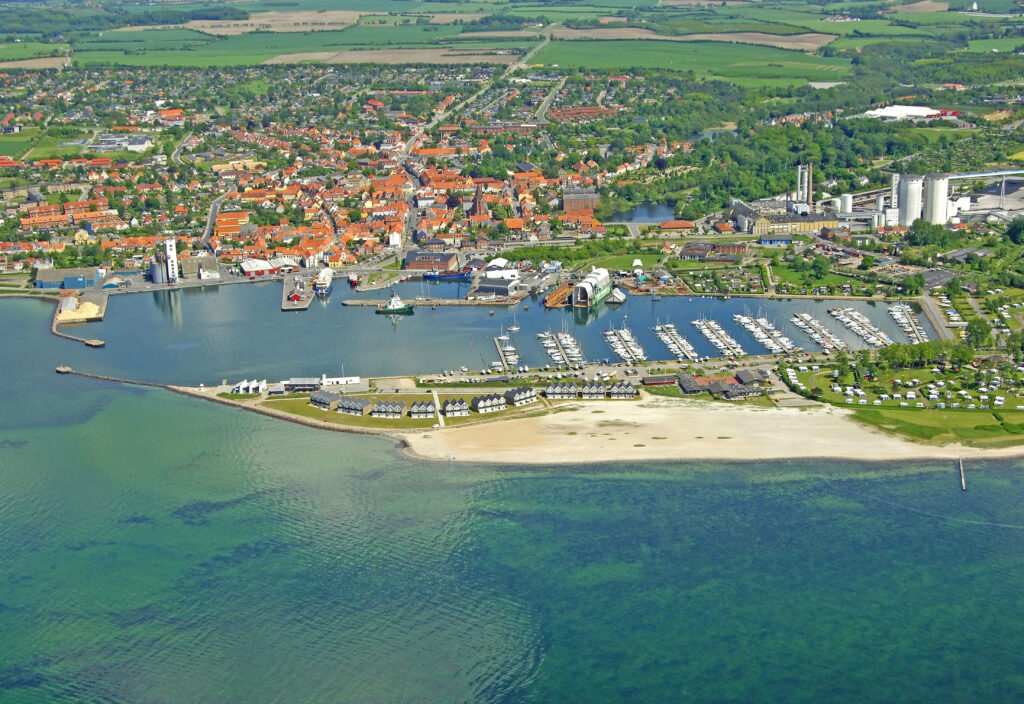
(645, 214)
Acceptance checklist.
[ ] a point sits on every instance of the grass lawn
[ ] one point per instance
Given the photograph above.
(15, 144)
(625, 261)
(49, 148)
(1004, 45)
(785, 274)
(976, 428)
(301, 407)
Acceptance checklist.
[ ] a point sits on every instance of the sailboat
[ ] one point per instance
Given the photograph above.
(514, 327)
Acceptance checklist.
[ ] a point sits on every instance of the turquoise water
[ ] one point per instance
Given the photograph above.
(160, 549)
(233, 332)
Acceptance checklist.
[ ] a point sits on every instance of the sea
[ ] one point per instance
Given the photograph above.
(157, 548)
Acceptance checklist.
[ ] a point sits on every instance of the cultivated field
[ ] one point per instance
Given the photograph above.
(44, 62)
(923, 6)
(305, 21)
(798, 42)
(419, 56)
(740, 62)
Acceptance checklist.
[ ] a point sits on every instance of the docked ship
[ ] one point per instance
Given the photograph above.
(324, 282)
(594, 288)
(395, 306)
(436, 275)
(353, 280)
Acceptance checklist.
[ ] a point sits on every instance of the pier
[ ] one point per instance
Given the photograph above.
(963, 477)
(624, 344)
(718, 337)
(676, 343)
(818, 332)
(505, 363)
(99, 299)
(296, 293)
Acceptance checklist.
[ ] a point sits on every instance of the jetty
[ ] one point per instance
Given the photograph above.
(624, 344)
(559, 298)
(296, 293)
(507, 353)
(100, 301)
(814, 329)
(718, 337)
(963, 477)
(676, 343)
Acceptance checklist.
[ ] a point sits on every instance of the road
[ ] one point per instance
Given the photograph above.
(934, 313)
(543, 109)
(176, 154)
(439, 117)
(210, 218)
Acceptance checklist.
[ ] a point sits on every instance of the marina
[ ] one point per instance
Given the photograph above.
(814, 329)
(861, 325)
(678, 345)
(717, 336)
(908, 321)
(624, 344)
(163, 332)
(766, 334)
(508, 355)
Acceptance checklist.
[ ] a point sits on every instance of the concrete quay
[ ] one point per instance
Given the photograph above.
(293, 283)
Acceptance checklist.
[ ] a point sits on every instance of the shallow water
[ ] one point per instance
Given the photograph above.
(160, 549)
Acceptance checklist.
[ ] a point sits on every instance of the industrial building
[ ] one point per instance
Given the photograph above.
(67, 278)
(593, 289)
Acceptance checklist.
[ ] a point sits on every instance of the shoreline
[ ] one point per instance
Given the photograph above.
(652, 429)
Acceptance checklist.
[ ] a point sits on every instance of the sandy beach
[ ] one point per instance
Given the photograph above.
(667, 429)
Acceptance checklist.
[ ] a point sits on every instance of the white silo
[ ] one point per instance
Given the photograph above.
(936, 199)
(836, 203)
(879, 203)
(846, 203)
(878, 219)
(894, 191)
(911, 188)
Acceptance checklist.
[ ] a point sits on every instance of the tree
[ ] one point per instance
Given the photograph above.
(979, 333)
(1015, 231)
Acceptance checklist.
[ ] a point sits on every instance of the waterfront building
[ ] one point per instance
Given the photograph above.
(455, 407)
(67, 278)
(422, 409)
(622, 390)
(558, 390)
(299, 384)
(488, 403)
(592, 390)
(325, 400)
(171, 254)
(250, 387)
(521, 396)
(388, 409)
(422, 260)
(352, 406)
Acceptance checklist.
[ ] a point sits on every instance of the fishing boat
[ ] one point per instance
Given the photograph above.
(324, 282)
(395, 306)
(436, 275)
(353, 280)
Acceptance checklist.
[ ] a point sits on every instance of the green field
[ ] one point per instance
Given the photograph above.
(977, 428)
(12, 51)
(183, 47)
(742, 61)
(1002, 45)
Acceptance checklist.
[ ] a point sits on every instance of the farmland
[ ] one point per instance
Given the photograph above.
(705, 58)
(185, 47)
